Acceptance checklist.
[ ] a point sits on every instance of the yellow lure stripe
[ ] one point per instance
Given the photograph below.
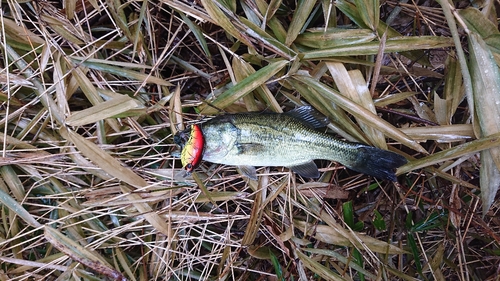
(192, 152)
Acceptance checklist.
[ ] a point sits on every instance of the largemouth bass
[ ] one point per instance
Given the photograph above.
(273, 139)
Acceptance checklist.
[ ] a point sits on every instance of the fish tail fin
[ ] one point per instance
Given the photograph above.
(377, 162)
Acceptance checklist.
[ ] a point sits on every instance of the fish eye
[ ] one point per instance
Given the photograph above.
(189, 167)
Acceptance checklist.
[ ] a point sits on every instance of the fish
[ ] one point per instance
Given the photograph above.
(290, 139)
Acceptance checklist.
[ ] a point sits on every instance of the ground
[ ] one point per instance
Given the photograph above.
(93, 92)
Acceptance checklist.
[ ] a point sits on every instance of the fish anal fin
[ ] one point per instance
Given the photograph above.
(307, 170)
(310, 116)
(248, 171)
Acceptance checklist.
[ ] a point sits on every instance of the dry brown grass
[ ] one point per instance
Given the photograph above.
(92, 92)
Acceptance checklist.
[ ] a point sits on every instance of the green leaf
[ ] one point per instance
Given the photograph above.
(396, 44)
(243, 88)
(431, 222)
(477, 22)
(348, 212)
(493, 42)
(198, 33)
(267, 40)
(352, 12)
(415, 252)
(215, 10)
(277, 267)
(448, 154)
(319, 38)
(486, 92)
(302, 12)
(14, 206)
(369, 11)
(125, 72)
(378, 221)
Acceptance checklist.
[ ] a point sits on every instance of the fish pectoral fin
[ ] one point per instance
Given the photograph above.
(249, 148)
(248, 171)
(310, 116)
(307, 170)
(182, 175)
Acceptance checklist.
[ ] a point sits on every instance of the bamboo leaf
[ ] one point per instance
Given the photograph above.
(300, 16)
(267, 40)
(369, 11)
(478, 23)
(125, 72)
(219, 16)
(448, 154)
(116, 169)
(244, 87)
(489, 179)
(319, 38)
(20, 33)
(102, 111)
(337, 235)
(198, 33)
(243, 70)
(14, 79)
(12, 180)
(256, 214)
(90, 91)
(14, 206)
(77, 252)
(318, 268)
(453, 91)
(360, 112)
(396, 44)
(342, 259)
(69, 8)
(486, 89)
(103, 159)
(442, 134)
(352, 85)
(176, 118)
(116, 9)
(64, 28)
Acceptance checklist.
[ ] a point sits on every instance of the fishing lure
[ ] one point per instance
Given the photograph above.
(191, 142)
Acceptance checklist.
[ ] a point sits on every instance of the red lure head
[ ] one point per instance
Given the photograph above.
(192, 151)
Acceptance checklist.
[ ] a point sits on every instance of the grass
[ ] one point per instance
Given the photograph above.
(93, 91)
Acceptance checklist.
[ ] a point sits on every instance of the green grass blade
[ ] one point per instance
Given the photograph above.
(244, 87)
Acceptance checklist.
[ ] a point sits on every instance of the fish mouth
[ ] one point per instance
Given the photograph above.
(182, 137)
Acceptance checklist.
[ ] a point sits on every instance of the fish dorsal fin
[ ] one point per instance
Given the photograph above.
(308, 115)
(307, 170)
